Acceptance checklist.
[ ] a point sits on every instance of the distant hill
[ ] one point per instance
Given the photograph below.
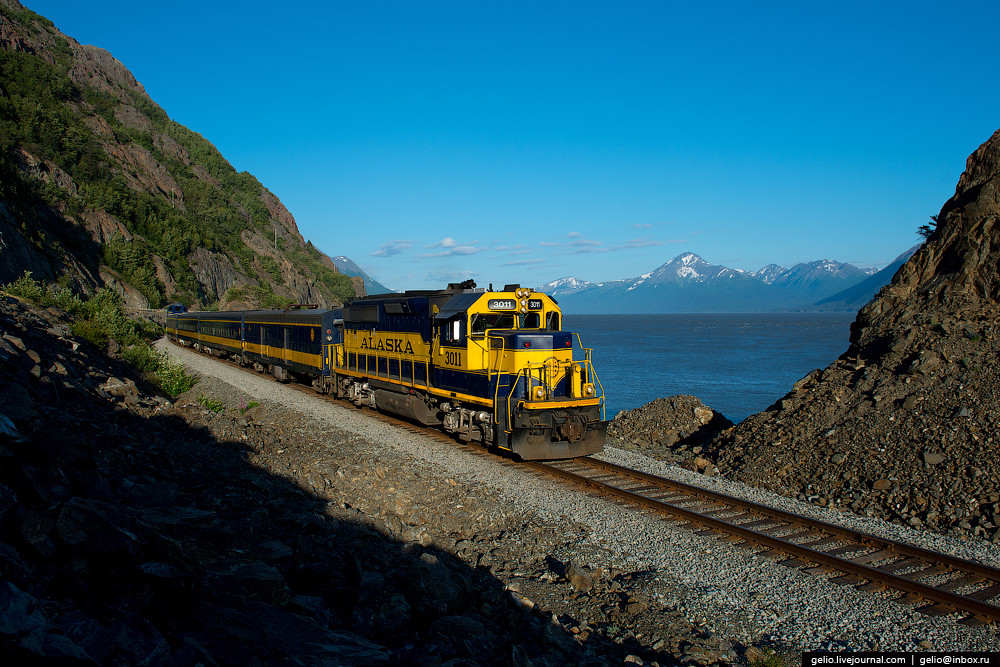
(347, 266)
(854, 298)
(814, 280)
(99, 187)
(689, 284)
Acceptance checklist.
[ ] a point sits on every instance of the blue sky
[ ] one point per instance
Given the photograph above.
(523, 142)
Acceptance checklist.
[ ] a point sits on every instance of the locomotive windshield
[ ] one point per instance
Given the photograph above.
(480, 322)
(483, 321)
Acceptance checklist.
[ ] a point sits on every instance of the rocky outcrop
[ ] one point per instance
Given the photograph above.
(905, 424)
(128, 138)
(677, 429)
(216, 272)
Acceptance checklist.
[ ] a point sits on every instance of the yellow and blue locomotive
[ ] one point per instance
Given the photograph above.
(489, 366)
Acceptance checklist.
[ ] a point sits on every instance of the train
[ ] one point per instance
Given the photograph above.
(493, 367)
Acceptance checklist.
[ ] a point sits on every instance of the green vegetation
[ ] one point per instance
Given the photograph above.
(131, 260)
(210, 404)
(246, 404)
(262, 295)
(45, 295)
(44, 112)
(234, 294)
(173, 378)
(768, 659)
(926, 231)
(338, 284)
(271, 266)
(102, 318)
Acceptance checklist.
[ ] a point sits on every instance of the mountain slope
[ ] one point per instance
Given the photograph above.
(99, 187)
(347, 266)
(854, 298)
(815, 280)
(904, 425)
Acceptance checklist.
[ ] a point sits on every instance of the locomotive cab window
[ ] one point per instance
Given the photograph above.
(452, 331)
(531, 320)
(552, 321)
(483, 321)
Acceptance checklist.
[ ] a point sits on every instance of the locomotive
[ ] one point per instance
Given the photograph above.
(493, 367)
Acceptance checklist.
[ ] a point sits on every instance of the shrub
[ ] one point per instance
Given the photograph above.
(57, 295)
(90, 333)
(26, 288)
(143, 357)
(173, 378)
(106, 311)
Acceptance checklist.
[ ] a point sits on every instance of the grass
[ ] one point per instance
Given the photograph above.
(101, 318)
(210, 404)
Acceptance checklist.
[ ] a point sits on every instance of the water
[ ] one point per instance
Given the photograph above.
(736, 364)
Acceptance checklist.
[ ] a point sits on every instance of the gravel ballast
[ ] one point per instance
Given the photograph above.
(724, 592)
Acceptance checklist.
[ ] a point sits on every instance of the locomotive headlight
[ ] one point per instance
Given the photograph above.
(588, 390)
(539, 393)
(524, 302)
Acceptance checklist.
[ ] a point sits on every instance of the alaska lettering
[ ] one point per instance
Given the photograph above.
(397, 345)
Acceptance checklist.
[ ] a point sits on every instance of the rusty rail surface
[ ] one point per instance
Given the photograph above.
(945, 583)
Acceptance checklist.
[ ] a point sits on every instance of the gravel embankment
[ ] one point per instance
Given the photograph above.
(724, 590)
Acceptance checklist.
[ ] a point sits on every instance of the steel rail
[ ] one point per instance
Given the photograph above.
(889, 548)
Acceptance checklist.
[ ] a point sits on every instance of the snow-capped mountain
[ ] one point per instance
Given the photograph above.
(687, 267)
(768, 274)
(819, 279)
(567, 285)
(688, 283)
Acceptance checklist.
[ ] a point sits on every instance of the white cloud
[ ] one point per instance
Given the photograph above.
(445, 277)
(450, 248)
(391, 248)
(524, 262)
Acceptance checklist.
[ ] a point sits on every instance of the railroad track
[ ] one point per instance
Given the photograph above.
(939, 583)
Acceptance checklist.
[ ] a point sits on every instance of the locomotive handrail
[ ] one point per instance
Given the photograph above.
(592, 373)
(496, 390)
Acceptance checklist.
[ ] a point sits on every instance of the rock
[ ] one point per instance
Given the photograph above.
(932, 458)
(22, 620)
(579, 578)
(703, 415)
(881, 484)
(432, 588)
(7, 428)
(120, 388)
(460, 636)
(667, 425)
(560, 642)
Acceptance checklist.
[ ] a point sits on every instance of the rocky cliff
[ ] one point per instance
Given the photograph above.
(905, 424)
(99, 187)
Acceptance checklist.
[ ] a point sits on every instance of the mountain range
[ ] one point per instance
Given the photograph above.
(689, 284)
